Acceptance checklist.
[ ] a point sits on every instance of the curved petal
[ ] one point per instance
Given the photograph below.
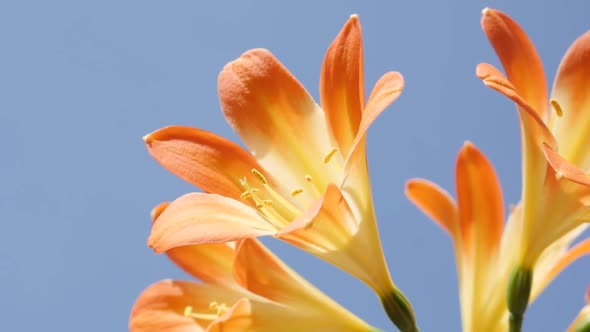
(480, 202)
(161, 307)
(356, 184)
(198, 218)
(580, 250)
(330, 230)
(210, 262)
(519, 58)
(436, 203)
(203, 159)
(273, 113)
(342, 91)
(572, 92)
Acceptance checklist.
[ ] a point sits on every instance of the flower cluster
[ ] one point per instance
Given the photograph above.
(303, 179)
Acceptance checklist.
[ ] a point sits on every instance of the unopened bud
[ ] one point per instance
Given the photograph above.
(399, 310)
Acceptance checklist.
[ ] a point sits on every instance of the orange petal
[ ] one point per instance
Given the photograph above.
(436, 203)
(480, 202)
(261, 272)
(572, 91)
(578, 251)
(519, 58)
(342, 84)
(273, 113)
(210, 262)
(198, 218)
(356, 182)
(564, 168)
(203, 159)
(160, 308)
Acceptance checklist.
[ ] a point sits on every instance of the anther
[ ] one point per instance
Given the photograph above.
(267, 202)
(329, 156)
(556, 107)
(259, 175)
(188, 311)
(296, 192)
(245, 194)
(308, 178)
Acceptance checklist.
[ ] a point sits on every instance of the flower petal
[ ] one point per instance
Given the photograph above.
(203, 159)
(480, 202)
(572, 91)
(565, 259)
(519, 58)
(356, 185)
(330, 230)
(436, 203)
(160, 308)
(342, 90)
(275, 117)
(198, 218)
(211, 263)
(259, 271)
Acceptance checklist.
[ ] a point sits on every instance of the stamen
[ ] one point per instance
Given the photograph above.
(296, 192)
(245, 194)
(309, 180)
(259, 175)
(267, 202)
(272, 216)
(188, 312)
(556, 107)
(329, 156)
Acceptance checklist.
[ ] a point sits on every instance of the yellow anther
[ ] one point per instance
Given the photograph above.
(267, 202)
(329, 156)
(188, 311)
(245, 194)
(213, 305)
(556, 107)
(259, 206)
(296, 192)
(308, 178)
(259, 175)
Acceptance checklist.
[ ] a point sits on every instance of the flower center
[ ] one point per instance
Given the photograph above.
(218, 308)
(279, 210)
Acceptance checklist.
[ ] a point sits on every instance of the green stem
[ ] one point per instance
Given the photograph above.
(515, 323)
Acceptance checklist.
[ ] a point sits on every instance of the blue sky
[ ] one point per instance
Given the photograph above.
(82, 82)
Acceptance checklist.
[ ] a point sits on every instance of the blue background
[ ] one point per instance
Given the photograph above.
(81, 82)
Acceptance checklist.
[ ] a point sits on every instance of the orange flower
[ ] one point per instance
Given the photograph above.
(306, 178)
(556, 154)
(246, 288)
(483, 247)
(582, 321)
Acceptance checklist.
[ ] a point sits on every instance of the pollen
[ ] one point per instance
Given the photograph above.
(308, 178)
(556, 107)
(329, 156)
(259, 176)
(296, 192)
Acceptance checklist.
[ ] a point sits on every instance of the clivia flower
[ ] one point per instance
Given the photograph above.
(484, 246)
(244, 288)
(555, 202)
(305, 179)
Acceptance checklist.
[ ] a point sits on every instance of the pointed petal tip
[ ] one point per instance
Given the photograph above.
(147, 138)
(487, 11)
(354, 17)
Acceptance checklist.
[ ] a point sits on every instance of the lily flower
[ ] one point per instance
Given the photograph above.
(304, 180)
(245, 288)
(484, 247)
(556, 156)
(582, 321)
